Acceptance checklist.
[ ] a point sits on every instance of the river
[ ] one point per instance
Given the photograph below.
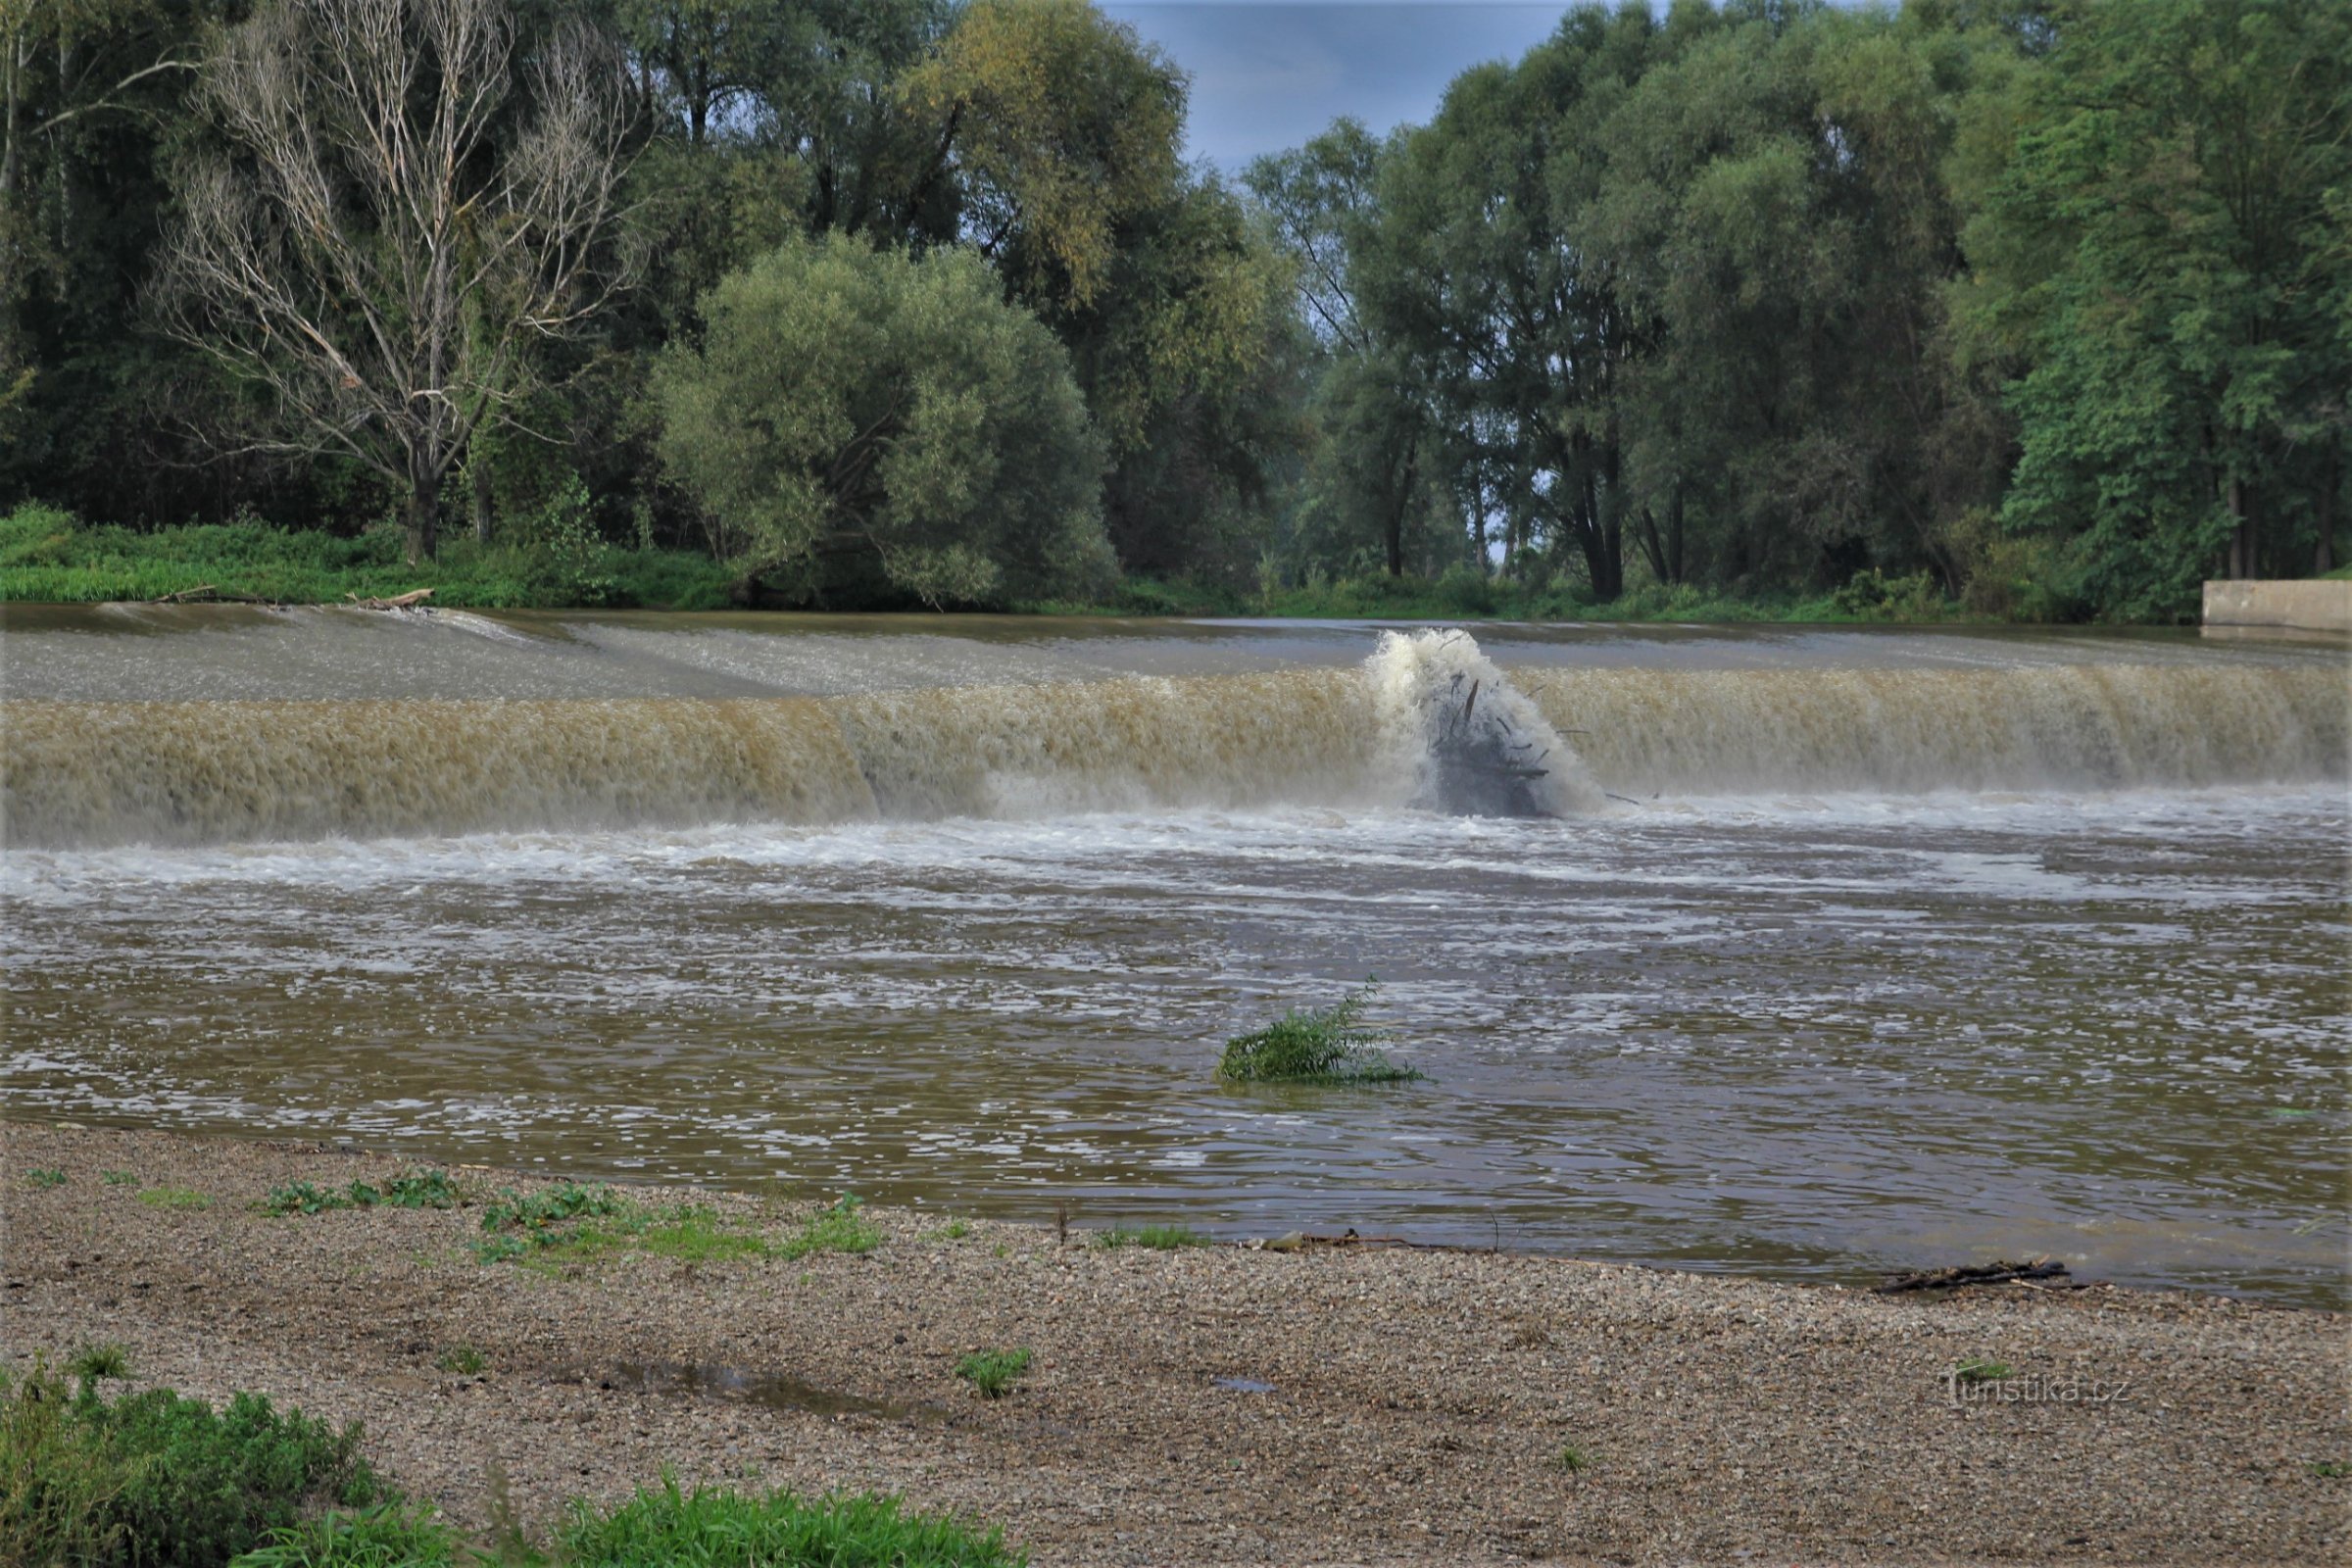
(1847, 950)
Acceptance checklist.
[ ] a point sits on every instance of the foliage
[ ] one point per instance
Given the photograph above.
(1153, 1238)
(2163, 244)
(182, 1200)
(46, 556)
(855, 406)
(39, 1179)
(992, 1372)
(422, 1189)
(153, 1478)
(837, 1228)
(388, 1536)
(1315, 1044)
(714, 1525)
(520, 1223)
(463, 1359)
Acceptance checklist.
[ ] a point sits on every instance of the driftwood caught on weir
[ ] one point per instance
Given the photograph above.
(408, 601)
(1952, 1279)
(1483, 770)
(206, 594)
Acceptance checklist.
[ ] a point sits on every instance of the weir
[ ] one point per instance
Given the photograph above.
(1386, 733)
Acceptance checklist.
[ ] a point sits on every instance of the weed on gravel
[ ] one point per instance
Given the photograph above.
(119, 1178)
(424, 1189)
(43, 1180)
(1156, 1238)
(181, 1200)
(992, 1372)
(837, 1229)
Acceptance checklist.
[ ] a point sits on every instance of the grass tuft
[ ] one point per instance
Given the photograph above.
(1572, 1459)
(1316, 1046)
(838, 1229)
(717, 1525)
(119, 1178)
(1980, 1370)
(183, 1199)
(388, 1536)
(992, 1372)
(1156, 1238)
(463, 1359)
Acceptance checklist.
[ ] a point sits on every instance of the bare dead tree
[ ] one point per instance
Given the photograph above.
(381, 255)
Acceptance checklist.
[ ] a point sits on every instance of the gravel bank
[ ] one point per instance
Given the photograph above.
(1417, 1409)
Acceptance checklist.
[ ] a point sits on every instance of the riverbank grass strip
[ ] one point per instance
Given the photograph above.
(1316, 1046)
(1154, 1238)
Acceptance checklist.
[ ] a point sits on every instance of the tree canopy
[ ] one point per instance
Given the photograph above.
(2043, 304)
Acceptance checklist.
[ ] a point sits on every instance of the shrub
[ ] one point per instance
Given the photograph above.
(1321, 1045)
(780, 1530)
(155, 1478)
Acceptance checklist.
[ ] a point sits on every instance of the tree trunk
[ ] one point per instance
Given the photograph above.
(423, 512)
(1394, 532)
(2322, 556)
(2241, 532)
(477, 472)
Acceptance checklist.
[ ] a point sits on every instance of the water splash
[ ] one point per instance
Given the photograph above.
(1470, 743)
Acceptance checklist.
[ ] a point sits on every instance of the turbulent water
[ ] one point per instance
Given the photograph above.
(1835, 950)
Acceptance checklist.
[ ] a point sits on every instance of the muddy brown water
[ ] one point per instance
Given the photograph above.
(1849, 951)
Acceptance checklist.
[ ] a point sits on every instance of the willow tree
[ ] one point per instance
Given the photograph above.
(390, 232)
(853, 412)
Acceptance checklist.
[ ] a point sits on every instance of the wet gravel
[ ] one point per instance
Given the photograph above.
(1214, 1405)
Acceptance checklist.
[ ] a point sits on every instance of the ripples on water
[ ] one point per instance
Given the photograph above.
(1810, 1033)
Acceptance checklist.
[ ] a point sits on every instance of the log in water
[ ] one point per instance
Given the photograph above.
(1918, 946)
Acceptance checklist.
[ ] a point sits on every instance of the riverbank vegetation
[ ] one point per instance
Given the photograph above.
(156, 1478)
(2039, 311)
(1316, 1046)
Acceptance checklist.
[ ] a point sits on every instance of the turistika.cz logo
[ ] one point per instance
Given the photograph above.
(1974, 1382)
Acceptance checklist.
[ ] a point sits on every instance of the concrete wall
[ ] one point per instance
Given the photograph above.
(2312, 604)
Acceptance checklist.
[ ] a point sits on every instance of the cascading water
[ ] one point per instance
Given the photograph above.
(1428, 719)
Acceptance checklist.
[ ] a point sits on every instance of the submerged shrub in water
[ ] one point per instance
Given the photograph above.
(1315, 1046)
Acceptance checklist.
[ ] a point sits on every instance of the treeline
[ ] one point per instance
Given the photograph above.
(2038, 304)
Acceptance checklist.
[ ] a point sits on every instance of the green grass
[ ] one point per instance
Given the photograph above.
(575, 1224)
(153, 1478)
(119, 1178)
(954, 1230)
(1316, 1046)
(388, 1536)
(47, 557)
(1156, 1238)
(423, 1189)
(837, 1229)
(42, 1180)
(2331, 1470)
(183, 1199)
(717, 1526)
(1980, 1370)
(992, 1372)
(463, 1359)
(1572, 1459)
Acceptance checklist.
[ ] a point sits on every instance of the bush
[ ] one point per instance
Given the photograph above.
(781, 1530)
(1320, 1045)
(156, 1479)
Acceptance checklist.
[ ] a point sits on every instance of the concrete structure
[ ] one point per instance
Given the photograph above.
(2316, 604)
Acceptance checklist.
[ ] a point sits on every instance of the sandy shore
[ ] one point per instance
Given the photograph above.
(1418, 1406)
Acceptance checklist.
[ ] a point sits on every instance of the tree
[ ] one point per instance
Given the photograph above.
(856, 410)
(2165, 244)
(390, 237)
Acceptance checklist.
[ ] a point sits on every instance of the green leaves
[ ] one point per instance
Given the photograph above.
(859, 410)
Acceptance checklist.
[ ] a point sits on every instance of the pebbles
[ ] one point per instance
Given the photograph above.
(1210, 1405)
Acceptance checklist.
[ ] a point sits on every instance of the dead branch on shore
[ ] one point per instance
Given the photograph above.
(1952, 1279)
(408, 601)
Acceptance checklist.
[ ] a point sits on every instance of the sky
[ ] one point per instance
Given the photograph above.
(1266, 77)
